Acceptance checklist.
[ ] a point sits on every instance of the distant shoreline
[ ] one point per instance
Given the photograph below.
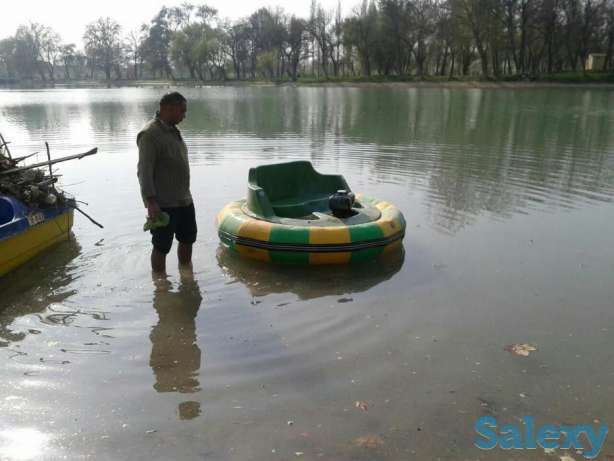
(357, 83)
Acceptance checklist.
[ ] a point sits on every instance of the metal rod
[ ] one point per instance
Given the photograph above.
(52, 162)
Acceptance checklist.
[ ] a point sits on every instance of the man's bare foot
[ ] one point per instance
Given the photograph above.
(161, 281)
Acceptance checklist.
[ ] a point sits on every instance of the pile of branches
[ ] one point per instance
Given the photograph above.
(33, 184)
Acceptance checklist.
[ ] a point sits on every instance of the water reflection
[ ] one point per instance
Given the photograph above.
(175, 355)
(308, 282)
(23, 443)
(36, 285)
(470, 152)
(422, 343)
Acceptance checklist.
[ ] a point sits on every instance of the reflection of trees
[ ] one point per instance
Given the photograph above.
(471, 151)
(110, 118)
(499, 151)
(175, 355)
(34, 286)
(38, 119)
(314, 282)
(523, 150)
(62, 121)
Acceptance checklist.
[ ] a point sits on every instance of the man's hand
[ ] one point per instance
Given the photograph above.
(153, 209)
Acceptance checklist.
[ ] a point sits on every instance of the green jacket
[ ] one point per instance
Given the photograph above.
(163, 168)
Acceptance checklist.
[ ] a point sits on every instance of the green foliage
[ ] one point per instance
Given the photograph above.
(579, 77)
(379, 40)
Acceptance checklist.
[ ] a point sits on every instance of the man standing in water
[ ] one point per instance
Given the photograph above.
(164, 175)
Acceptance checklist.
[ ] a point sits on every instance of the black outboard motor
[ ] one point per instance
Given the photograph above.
(341, 203)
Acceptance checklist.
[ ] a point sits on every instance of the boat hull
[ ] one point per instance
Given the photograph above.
(30, 237)
(309, 244)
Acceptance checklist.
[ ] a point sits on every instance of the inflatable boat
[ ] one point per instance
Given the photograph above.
(293, 214)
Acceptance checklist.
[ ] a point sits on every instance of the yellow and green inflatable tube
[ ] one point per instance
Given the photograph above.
(318, 239)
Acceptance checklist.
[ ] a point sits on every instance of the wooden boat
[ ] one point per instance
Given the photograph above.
(34, 214)
(25, 232)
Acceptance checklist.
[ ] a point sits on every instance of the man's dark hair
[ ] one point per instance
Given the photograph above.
(172, 99)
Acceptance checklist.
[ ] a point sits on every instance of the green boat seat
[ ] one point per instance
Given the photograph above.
(290, 190)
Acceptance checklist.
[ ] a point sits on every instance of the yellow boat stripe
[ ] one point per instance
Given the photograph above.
(382, 205)
(329, 235)
(389, 226)
(330, 258)
(393, 247)
(256, 229)
(232, 209)
(254, 253)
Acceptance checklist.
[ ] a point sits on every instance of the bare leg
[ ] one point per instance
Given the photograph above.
(184, 252)
(158, 262)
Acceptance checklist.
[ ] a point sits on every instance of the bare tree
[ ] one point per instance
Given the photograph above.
(103, 44)
(68, 55)
(294, 45)
(133, 45)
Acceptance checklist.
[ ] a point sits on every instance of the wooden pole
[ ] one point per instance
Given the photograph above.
(5, 144)
(21, 159)
(52, 162)
(89, 217)
(49, 159)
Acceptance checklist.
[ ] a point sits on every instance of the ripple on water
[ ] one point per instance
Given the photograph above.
(479, 175)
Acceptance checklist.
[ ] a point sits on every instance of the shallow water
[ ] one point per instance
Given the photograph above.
(508, 198)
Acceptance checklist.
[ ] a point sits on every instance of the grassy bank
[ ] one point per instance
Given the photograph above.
(515, 81)
(563, 77)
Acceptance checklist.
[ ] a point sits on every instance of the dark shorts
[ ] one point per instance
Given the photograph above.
(182, 225)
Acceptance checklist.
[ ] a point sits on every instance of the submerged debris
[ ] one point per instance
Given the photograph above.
(369, 441)
(361, 405)
(520, 349)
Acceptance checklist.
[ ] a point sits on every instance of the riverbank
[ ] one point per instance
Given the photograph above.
(562, 80)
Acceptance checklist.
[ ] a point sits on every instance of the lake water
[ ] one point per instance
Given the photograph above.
(508, 196)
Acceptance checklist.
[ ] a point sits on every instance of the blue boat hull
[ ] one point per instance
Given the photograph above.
(25, 232)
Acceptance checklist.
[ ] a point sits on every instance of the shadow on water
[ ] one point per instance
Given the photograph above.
(175, 355)
(308, 282)
(31, 288)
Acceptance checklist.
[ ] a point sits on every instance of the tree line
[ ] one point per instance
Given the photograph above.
(387, 38)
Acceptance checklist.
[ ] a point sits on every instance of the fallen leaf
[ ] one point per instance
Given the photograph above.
(369, 441)
(364, 406)
(566, 458)
(520, 349)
